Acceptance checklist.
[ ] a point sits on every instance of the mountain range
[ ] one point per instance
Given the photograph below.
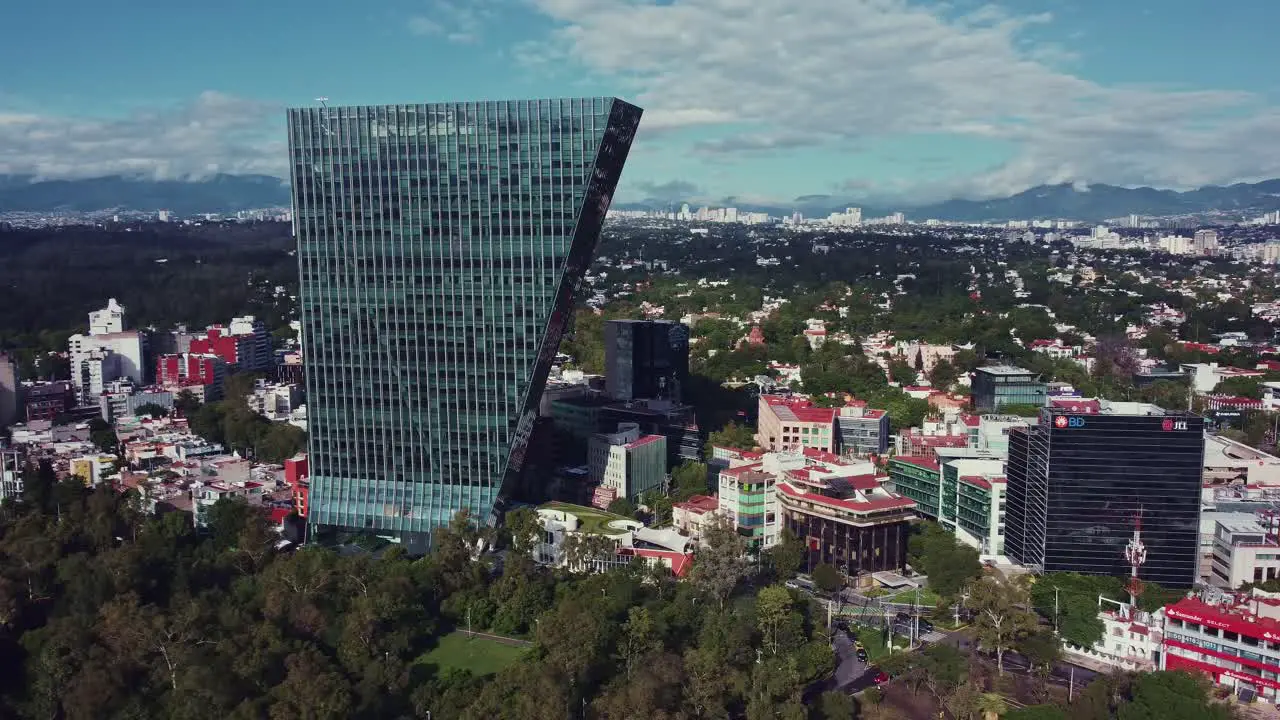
(216, 194)
(1066, 201)
(229, 193)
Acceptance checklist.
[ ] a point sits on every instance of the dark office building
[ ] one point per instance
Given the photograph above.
(439, 250)
(658, 417)
(999, 386)
(646, 359)
(1078, 482)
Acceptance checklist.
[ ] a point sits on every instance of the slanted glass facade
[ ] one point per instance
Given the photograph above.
(1077, 483)
(439, 250)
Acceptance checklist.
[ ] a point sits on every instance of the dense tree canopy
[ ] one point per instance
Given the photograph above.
(109, 613)
(948, 563)
(50, 278)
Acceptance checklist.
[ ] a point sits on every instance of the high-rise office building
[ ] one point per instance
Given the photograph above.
(646, 359)
(439, 249)
(1078, 484)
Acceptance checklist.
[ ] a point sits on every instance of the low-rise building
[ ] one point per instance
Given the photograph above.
(298, 475)
(275, 401)
(1245, 551)
(90, 468)
(746, 496)
(1131, 638)
(1234, 639)
(863, 431)
(998, 386)
(47, 400)
(627, 461)
(850, 521)
(791, 423)
(691, 516)
(963, 494)
(205, 494)
(10, 474)
(582, 539)
(199, 374)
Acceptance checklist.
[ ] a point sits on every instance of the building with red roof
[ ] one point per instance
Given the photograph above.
(691, 516)
(790, 423)
(1234, 641)
(846, 516)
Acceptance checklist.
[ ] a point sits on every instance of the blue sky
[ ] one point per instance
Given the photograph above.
(762, 100)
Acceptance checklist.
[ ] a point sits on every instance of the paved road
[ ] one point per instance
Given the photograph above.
(1062, 670)
(848, 668)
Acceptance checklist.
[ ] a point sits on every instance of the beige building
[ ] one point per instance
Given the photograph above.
(788, 423)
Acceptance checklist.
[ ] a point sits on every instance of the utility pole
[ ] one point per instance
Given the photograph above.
(1055, 609)
(1071, 684)
(915, 619)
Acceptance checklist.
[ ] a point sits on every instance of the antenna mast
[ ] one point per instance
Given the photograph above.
(1136, 553)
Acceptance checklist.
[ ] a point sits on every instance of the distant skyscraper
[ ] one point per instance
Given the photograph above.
(646, 359)
(8, 391)
(439, 249)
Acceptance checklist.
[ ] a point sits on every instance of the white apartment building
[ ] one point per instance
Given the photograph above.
(1245, 551)
(100, 359)
(275, 402)
(109, 319)
(1177, 244)
(10, 475)
(1131, 639)
(107, 353)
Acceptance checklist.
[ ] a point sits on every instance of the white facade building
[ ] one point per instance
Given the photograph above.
(1244, 552)
(107, 353)
(99, 359)
(109, 319)
(1131, 639)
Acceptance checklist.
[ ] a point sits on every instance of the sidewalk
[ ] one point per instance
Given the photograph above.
(1087, 663)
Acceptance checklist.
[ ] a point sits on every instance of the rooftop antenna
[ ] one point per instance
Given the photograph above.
(1136, 553)
(324, 115)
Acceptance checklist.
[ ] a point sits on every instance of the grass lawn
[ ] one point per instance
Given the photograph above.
(928, 598)
(594, 520)
(873, 641)
(479, 655)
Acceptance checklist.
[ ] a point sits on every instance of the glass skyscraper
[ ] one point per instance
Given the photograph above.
(1077, 485)
(439, 249)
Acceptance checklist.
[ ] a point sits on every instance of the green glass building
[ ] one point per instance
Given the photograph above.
(439, 250)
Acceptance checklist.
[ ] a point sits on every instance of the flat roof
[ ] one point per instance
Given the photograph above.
(1005, 370)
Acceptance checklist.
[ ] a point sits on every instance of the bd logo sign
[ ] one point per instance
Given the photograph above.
(1062, 421)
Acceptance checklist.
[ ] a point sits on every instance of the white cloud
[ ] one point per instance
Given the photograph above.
(215, 133)
(838, 70)
(459, 21)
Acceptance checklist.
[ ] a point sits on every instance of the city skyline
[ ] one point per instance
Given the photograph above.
(926, 102)
(439, 250)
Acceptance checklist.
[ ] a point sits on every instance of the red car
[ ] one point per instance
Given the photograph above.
(881, 677)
